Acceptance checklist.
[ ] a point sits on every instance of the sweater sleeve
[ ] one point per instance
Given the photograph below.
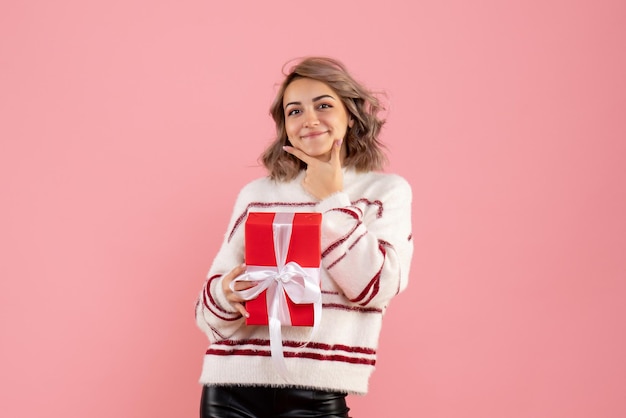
(215, 316)
(368, 255)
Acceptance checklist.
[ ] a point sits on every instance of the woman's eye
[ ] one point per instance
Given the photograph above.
(325, 106)
(293, 112)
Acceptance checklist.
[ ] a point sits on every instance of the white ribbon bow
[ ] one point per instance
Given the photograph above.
(301, 284)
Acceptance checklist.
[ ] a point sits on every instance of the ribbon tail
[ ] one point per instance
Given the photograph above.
(317, 317)
(276, 346)
(275, 328)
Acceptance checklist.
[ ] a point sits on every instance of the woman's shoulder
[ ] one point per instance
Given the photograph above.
(264, 187)
(257, 186)
(264, 181)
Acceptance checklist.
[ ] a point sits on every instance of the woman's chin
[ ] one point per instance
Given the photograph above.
(319, 154)
(325, 157)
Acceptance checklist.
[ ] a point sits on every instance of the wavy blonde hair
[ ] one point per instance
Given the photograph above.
(364, 151)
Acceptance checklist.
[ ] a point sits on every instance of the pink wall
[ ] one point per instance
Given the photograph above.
(127, 128)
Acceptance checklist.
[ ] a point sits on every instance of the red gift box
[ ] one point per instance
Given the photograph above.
(304, 248)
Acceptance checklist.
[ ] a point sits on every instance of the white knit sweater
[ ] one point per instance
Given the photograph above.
(366, 253)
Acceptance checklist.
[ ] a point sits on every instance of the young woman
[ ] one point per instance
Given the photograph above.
(326, 158)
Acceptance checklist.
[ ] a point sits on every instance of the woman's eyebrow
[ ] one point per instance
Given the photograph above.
(315, 99)
(323, 96)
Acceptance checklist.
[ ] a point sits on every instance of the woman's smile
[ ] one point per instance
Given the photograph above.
(312, 135)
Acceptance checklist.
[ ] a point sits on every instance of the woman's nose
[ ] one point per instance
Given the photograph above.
(310, 120)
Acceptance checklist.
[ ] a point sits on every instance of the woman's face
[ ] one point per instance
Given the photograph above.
(314, 117)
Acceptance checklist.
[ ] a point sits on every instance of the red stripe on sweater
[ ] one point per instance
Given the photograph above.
(215, 331)
(359, 209)
(387, 244)
(297, 344)
(213, 307)
(299, 354)
(373, 286)
(347, 211)
(335, 262)
(340, 240)
(357, 240)
(352, 308)
(368, 202)
(219, 334)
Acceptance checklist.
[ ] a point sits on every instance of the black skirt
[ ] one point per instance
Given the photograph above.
(267, 402)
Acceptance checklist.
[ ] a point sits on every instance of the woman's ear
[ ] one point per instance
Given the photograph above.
(350, 122)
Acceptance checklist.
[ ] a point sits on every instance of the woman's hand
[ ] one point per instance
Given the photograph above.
(235, 300)
(321, 179)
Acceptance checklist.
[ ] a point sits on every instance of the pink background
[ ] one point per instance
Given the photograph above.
(127, 128)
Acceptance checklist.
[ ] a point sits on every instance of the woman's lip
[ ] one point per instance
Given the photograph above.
(313, 134)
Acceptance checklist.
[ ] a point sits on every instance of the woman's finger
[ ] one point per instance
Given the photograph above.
(237, 271)
(229, 277)
(244, 285)
(299, 154)
(241, 309)
(335, 156)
